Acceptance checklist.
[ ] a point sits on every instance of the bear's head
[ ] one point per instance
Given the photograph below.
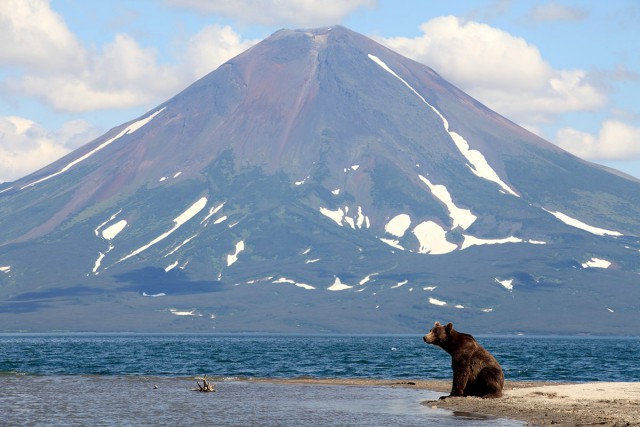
(439, 335)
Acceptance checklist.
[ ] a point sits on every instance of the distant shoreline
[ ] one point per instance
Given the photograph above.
(537, 403)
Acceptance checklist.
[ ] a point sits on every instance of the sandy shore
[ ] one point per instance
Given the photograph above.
(598, 403)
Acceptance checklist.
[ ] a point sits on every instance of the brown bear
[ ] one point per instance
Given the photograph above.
(475, 371)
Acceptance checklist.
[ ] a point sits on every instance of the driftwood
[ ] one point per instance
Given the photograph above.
(205, 387)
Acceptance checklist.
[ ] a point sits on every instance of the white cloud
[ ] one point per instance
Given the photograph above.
(33, 36)
(553, 11)
(120, 74)
(26, 147)
(502, 71)
(211, 47)
(615, 141)
(278, 12)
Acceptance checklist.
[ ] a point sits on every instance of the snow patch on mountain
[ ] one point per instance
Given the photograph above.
(293, 282)
(112, 231)
(98, 262)
(336, 215)
(259, 280)
(221, 220)
(302, 181)
(507, 284)
(232, 258)
(398, 225)
(478, 163)
(433, 239)
(338, 286)
(476, 241)
(363, 220)
(181, 245)
(171, 267)
(392, 242)
(399, 284)
(191, 212)
(129, 129)
(367, 278)
(179, 221)
(341, 217)
(596, 263)
(111, 218)
(460, 217)
(581, 225)
(184, 312)
(437, 302)
(537, 242)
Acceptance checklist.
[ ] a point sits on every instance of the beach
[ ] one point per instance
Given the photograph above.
(536, 403)
(597, 403)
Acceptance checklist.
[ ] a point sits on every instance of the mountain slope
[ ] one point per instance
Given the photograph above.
(320, 182)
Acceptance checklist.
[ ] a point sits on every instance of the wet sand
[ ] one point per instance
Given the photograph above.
(537, 403)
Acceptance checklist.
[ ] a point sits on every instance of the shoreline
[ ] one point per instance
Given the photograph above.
(595, 403)
(533, 403)
(536, 403)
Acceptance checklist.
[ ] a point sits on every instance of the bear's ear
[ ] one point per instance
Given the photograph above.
(437, 324)
(449, 327)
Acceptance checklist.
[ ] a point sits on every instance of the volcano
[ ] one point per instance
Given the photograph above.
(320, 183)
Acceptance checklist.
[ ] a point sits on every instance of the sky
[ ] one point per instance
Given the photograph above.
(70, 70)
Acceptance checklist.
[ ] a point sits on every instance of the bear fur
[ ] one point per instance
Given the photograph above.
(475, 371)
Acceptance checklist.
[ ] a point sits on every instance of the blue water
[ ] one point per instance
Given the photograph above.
(334, 356)
(131, 379)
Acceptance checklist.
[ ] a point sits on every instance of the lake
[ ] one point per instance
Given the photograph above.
(109, 379)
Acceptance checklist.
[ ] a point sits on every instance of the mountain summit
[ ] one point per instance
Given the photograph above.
(320, 182)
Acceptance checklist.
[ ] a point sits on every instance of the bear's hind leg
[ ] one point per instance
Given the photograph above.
(489, 383)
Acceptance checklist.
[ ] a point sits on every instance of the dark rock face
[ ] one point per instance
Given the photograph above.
(320, 182)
